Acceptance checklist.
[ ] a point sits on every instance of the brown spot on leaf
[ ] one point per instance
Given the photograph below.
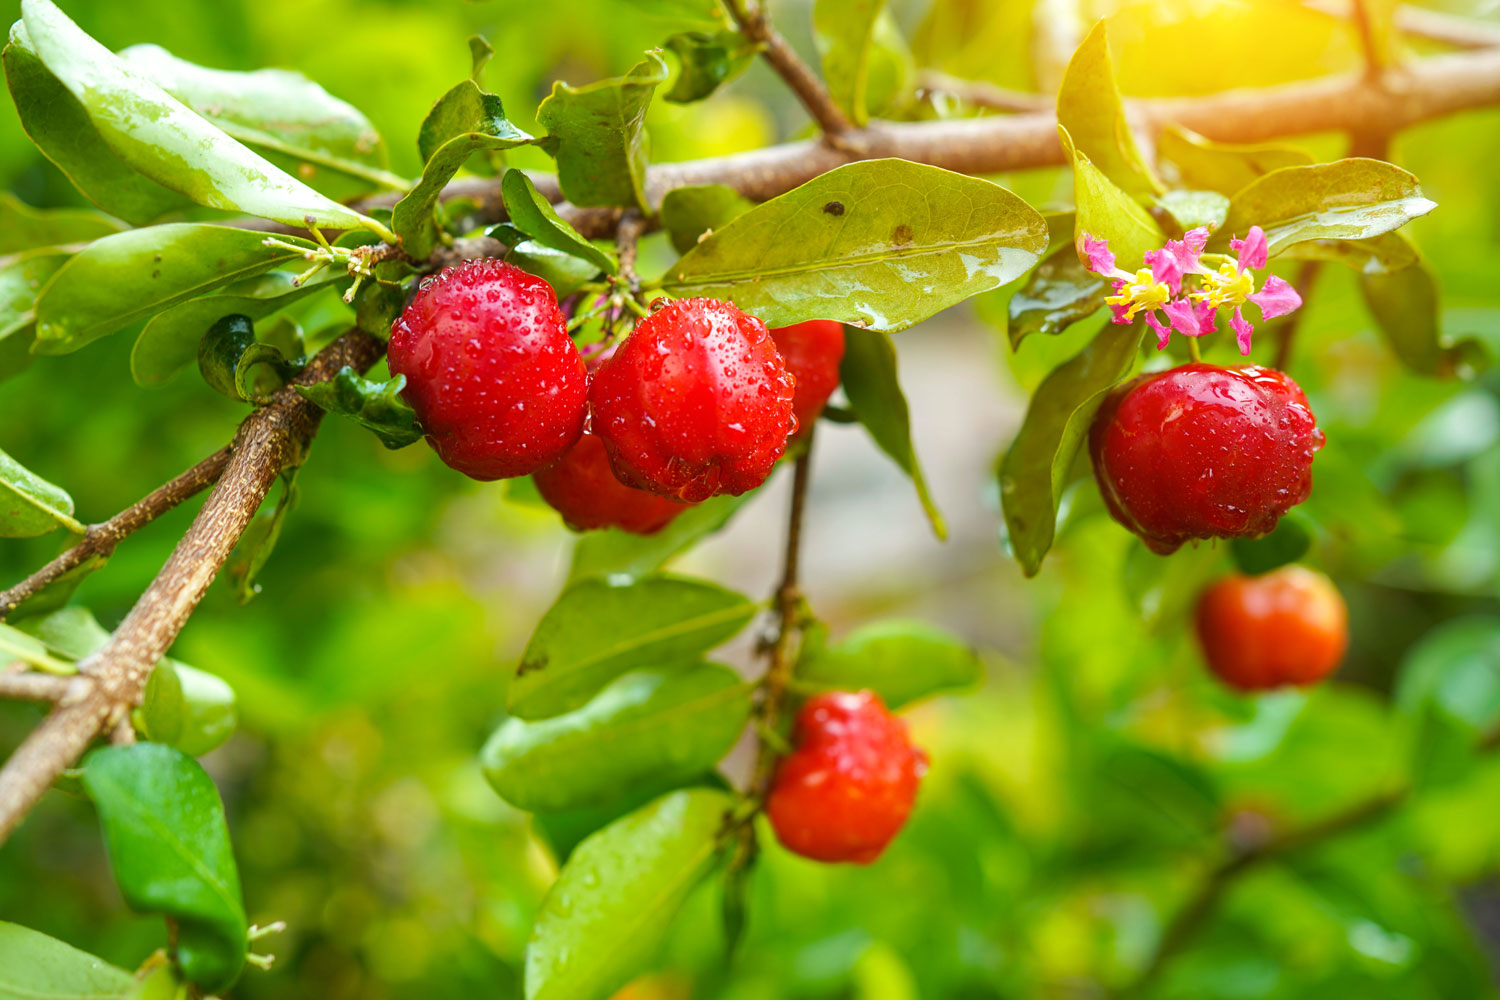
(834, 208)
(901, 235)
(528, 665)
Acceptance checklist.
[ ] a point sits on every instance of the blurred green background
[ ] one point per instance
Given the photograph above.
(1075, 802)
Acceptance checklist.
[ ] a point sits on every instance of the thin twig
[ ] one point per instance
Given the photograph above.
(1430, 25)
(1306, 279)
(984, 95)
(627, 243)
(270, 439)
(755, 26)
(101, 539)
(34, 687)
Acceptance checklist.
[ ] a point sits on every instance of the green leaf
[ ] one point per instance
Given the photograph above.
(649, 726)
(25, 228)
(481, 125)
(881, 244)
(563, 271)
(169, 848)
(1221, 167)
(376, 406)
(282, 115)
(134, 275)
(34, 966)
(1376, 255)
(210, 714)
(31, 506)
(688, 213)
(1287, 542)
(598, 134)
(1059, 293)
(600, 629)
(1035, 469)
(169, 342)
(157, 135)
(1404, 304)
(480, 54)
(564, 829)
(1105, 211)
(708, 62)
(1449, 686)
(231, 360)
(1090, 109)
(902, 661)
(1343, 200)
(1191, 209)
(695, 13)
(844, 32)
(22, 278)
(615, 898)
(868, 374)
(623, 555)
(58, 592)
(58, 124)
(533, 215)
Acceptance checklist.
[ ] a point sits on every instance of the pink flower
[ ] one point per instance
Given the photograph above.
(1251, 250)
(1100, 260)
(1242, 330)
(1187, 319)
(1276, 298)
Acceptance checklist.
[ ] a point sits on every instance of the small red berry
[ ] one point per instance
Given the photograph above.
(1204, 452)
(812, 352)
(849, 785)
(490, 371)
(1289, 626)
(695, 402)
(581, 487)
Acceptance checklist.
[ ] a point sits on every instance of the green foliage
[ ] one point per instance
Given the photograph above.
(845, 34)
(902, 661)
(1106, 211)
(25, 228)
(708, 61)
(35, 965)
(688, 213)
(1221, 167)
(1404, 304)
(1059, 293)
(534, 215)
(620, 555)
(850, 244)
(169, 850)
(29, 504)
(375, 406)
(1089, 109)
(1287, 543)
(230, 359)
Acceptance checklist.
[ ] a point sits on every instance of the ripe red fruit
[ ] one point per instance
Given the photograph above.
(1289, 626)
(849, 785)
(1204, 452)
(581, 487)
(490, 371)
(695, 402)
(812, 352)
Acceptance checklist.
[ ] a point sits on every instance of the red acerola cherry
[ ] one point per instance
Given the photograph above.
(581, 487)
(1289, 626)
(812, 352)
(490, 371)
(695, 402)
(1204, 452)
(848, 786)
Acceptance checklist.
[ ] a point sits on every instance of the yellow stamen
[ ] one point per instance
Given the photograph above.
(1141, 292)
(1229, 286)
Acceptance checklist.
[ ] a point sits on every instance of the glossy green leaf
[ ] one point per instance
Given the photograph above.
(646, 726)
(600, 629)
(868, 374)
(282, 115)
(61, 128)
(232, 361)
(57, 593)
(881, 244)
(689, 213)
(891, 80)
(902, 661)
(598, 134)
(1090, 109)
(1449, 687)
(564, 829)
(533, 215)
(1191, 209)
(1376, 255)
(612, 903)
(29, 505)
(34, 966)
(1105, 211)
(624, 555)
(707, 61)
(563, 271)
(1059, 293)
(1343, 200)
(169, 849)
(376, 406)
(169, 342)
(465, 110)
(1222, 167)
(134, 275)
(844, 31)
(1035, 468)
(22, 279)
(25, 228)
(28, 648)
(158, 136)
(696, 13)
(1287, 543)
(210, 713)
(1404, 304)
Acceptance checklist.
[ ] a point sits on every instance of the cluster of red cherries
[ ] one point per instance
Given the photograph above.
(701, 399)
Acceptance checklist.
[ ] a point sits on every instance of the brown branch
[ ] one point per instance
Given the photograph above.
(34, 687)
(270, 439)
(754, 25)
(1431, 25)
(101, 539)
(984, 95)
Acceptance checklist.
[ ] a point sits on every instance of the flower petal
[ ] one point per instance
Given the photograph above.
(1097, 256)
(1242, 330)
(1206, 316)
(1277, 298)
(1196, 239)
(1251, 249)
(1186, 320)
(1166, 267)
(1163, 331)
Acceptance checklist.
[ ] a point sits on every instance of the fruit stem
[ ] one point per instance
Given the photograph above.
(1193, 351)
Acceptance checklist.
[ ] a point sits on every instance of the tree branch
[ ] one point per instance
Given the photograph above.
(1431, 25)
(984, 95)
(101, 539)
(754, 25)
(269, 440)
(34, 687)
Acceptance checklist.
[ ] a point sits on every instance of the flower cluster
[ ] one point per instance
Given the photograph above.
(1159, 286)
